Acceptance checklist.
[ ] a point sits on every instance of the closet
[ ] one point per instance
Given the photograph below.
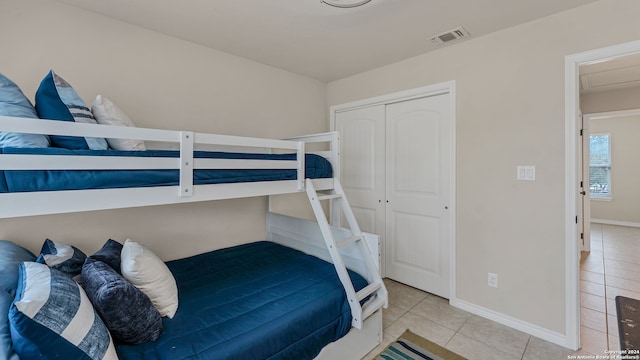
(397, 170)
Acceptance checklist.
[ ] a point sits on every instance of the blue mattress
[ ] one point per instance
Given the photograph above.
(48, 180)
(254, 301)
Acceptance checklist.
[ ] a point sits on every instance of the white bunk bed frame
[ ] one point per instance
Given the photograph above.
(343, 247)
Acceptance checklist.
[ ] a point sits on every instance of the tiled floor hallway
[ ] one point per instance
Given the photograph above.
(469, 335)
(611, 268)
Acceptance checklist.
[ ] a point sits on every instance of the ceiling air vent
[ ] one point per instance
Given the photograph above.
(449, 36)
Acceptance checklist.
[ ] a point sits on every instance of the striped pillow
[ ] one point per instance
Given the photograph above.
(52, 317)
(62, 257)
(57, 100)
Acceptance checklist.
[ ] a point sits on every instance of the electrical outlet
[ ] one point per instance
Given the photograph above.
(493, 280)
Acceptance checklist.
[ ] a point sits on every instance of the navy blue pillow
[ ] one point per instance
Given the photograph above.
(11, 255)
(110, 254)
(52, 318)
(126, 311)
(57, 100)
(62, 257)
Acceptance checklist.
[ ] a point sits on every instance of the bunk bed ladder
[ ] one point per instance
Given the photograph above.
(374, 296)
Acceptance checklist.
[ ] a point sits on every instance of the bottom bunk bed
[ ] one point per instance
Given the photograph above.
(261, 300)
(254, 301)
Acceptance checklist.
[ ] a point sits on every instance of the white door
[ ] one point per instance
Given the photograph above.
(395, 168)
(418, 186)
(362, 170)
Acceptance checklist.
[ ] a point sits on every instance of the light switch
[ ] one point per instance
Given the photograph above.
(527, 173)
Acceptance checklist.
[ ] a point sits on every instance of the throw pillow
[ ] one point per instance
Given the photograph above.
(52, 317)
(127, 312)
(14, 103)
(109, 254)
(151, 275)
(107, 113)
(57, 100)
(11, 255)
(6, 348)
(62, 257)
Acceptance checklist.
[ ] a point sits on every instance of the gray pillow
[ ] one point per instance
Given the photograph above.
(127, 312)
(14, 103)
(11, 255)
(6, 347)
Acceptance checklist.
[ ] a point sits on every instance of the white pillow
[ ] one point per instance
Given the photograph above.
(151, 275)
(107, 113)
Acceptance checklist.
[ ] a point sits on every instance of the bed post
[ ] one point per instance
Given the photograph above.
(334, 207)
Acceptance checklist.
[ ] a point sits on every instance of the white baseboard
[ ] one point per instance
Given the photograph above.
(615, 222)
(531, 329)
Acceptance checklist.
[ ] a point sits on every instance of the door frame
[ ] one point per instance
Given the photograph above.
(572, 176)
(448, 87)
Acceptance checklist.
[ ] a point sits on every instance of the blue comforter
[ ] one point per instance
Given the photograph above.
(254, 301)
(48, 180)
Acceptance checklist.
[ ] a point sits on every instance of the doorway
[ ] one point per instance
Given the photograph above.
(607, 266)
(573, 200)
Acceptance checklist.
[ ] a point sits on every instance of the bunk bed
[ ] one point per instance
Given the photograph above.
(202, 167)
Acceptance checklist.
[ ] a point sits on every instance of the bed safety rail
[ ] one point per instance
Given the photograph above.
(185, 141)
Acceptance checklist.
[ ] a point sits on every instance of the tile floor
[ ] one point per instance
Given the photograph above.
(611, 268)
(471, 336)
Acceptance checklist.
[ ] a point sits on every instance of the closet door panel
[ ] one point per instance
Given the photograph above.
(362, 170)
(416, 167)
(415, 252)
(417, 239)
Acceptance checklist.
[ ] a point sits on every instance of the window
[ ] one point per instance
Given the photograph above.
(600, 165)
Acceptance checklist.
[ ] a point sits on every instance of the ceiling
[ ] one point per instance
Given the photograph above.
(313, 39)
(620, 73)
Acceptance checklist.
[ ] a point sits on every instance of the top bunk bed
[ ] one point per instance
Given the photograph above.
(178, 167)
(61, 156)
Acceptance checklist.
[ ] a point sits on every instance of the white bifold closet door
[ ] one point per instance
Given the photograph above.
(395, 169)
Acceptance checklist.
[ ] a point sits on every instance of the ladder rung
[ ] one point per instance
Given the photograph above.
(348, 240)
(372, 306)
(329, 196)
(368, 290)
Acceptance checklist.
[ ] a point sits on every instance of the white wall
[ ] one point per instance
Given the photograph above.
(160, 82)
(510, 111)
(625, 131)
(622, 99)
(625, 169)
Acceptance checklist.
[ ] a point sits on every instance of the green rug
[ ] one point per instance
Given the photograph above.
(410, 346)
